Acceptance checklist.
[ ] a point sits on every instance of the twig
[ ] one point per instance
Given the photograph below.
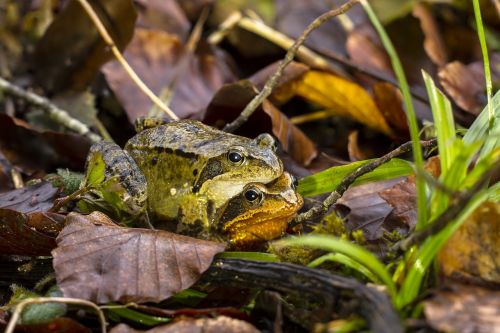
(128, 69)
(321, 210)
(455, 207)
(273, 80)
(59, 115)
(21, 305)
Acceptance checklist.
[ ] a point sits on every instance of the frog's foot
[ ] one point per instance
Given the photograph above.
(143, 123)
(115, 179)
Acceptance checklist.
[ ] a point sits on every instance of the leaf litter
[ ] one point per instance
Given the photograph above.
(353, 114)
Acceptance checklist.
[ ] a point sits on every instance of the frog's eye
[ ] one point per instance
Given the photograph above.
(253, 196)
(235, 157)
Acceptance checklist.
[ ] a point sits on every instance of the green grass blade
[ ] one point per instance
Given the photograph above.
(256, 256)
(327, 180)
(443, 122)
(345, 260)
(426, 254)
(353, 251)
(410, 112)
(486, 61)
(138, 317)
(480, 130)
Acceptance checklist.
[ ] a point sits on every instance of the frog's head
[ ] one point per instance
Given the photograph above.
(260, 212)
(239, 162)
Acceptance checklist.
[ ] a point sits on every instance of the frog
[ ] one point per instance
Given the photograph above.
(184, 173)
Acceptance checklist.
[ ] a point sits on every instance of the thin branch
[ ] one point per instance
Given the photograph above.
(321, 210)
(273, 80)
(57, 114)
(21, 305)
(131, 73)
(454, 209)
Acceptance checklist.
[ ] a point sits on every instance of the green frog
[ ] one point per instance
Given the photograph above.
(184, 175)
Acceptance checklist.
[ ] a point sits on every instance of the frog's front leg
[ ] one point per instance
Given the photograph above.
(116, 184)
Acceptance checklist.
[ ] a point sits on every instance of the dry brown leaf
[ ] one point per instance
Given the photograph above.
(165, 15)
(464, 309)
(39, 197)
(340, 96)
(465, 83)
(365, 49)
(433, 43)
(102, 262)
(231, 99)
(390, 102)
(221, 324)
(70, 53)
(474, 249)
(33, 150)
(156, 56)
(30, 234)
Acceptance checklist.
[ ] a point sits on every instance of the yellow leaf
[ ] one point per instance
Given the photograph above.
(474, 249)
(339, 96)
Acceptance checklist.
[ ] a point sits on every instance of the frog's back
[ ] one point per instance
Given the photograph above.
(186, 138)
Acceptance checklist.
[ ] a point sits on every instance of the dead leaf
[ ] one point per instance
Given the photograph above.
(30, 234)
(466, 85)
(366, 49)
(464, 309)
(403, 199)
(221, 324)
(433, 43)
(99, 261)
(39, 197)
(34, 150)
(292, 17)
(80, 49)
(155, 56)
(340, 96)
(473, 251)
(390, 102)
(166, 15)
(231, 99)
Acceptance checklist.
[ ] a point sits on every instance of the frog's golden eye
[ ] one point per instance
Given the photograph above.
(253, 196)
(235, 157)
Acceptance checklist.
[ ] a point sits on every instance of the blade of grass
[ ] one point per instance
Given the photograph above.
(486, 61)
(444, 123)
(257, 256)
(138, 317)
(410, 112)
(344, 260)
(480, 130)
(353, 251)
(327, 180)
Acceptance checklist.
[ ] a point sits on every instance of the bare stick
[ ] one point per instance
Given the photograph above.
(21, 305)
(59, 115)
(273, 80)
(131, 73)
(454, 209)
(321, 210)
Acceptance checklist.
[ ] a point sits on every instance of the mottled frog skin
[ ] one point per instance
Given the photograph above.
(189, 177)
